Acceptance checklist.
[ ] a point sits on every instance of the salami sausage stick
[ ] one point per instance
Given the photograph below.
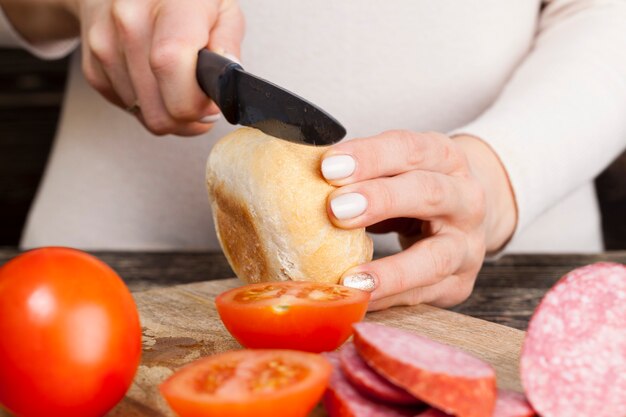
(445, 377)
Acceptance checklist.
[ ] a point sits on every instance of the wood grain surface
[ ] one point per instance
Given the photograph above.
(180, 324)
(507, 289)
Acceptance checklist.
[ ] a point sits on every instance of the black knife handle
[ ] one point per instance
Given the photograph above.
(216, 76)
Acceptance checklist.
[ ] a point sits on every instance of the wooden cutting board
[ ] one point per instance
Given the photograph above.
(180, 324)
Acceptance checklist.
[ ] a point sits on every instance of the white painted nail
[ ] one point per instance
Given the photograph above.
(361, 281)
(211, 118)
(338, 166)
(347, 206)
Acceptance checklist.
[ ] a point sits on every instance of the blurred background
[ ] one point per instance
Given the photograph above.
(31, 92)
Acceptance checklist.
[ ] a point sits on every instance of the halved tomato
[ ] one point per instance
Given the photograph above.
(309, 316)
(243, 383)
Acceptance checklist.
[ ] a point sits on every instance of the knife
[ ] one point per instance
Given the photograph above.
(251, 101)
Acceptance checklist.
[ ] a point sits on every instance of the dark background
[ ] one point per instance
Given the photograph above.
(31, 92)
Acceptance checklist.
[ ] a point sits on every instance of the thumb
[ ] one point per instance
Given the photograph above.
(227, 34)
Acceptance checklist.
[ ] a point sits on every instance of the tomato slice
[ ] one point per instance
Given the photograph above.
(262, 383)
(309, 316)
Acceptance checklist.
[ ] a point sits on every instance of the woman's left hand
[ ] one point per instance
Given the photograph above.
(443, 198)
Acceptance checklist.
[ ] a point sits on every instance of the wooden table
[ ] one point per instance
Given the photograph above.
(506, 292)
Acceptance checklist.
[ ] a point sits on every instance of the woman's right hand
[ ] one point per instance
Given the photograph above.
(141, 56)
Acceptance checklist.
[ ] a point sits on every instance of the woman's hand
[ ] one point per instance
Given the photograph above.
(141, 56)
(449, 200)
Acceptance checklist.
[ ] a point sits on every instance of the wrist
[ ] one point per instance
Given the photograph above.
(501, 208)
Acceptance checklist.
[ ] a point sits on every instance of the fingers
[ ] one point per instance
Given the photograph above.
(393, 178)
(145, 53)
(389, 154)
(103, 44)
(449, 292)
(135, 33)
(97, 78)
(426, 263)
(415, 194)
(227, 33)
(181, 29)
(98, 46)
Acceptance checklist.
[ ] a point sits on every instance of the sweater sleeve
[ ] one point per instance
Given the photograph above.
(561, 118)
(9, 37)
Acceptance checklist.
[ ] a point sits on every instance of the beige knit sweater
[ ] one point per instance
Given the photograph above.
(547, 90)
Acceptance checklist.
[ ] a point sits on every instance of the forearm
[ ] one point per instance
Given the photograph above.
(500, 206)
(560, 119)
(41, 20)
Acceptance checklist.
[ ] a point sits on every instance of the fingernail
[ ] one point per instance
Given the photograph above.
(211, 118)
(360, 281)
(347, 206)
(338, 166)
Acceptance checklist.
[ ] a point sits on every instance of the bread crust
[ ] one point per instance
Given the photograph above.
(269, 206)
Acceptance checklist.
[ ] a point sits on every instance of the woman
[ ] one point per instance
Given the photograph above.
(530, 100)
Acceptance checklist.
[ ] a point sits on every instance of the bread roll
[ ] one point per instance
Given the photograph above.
(269, 206)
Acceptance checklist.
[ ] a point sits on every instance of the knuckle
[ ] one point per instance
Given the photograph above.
(433, 191)
(160, 126)
(412, 148)
(454, 291)
(180, 111)
(477, 201)
(369, 164)
(100, 47)
(450, 151)
(164, 56)
(414, 297)
(382, 196)
(442, 258)
(397, 276)
(94, 79)
(124, 16)
(463, 291)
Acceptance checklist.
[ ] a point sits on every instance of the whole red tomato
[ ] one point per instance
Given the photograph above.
(70, 338)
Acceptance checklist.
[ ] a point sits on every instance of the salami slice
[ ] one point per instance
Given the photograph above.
(574, 356)
(343, 400)
(512, 404)
(443, 376)
(368, 381)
